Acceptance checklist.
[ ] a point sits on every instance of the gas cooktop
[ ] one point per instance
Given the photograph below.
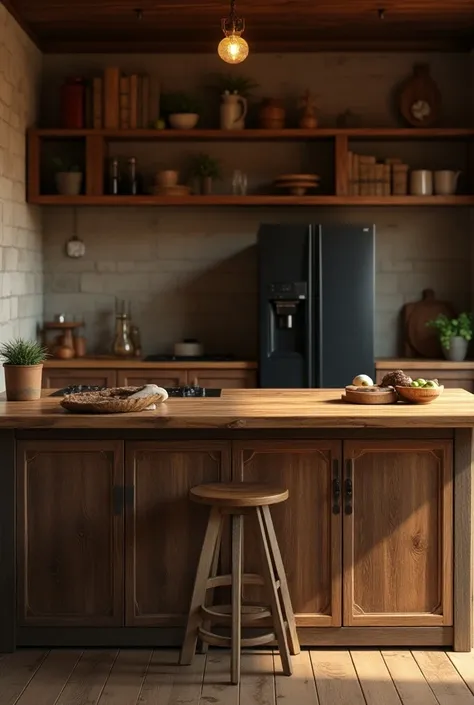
(187, 391)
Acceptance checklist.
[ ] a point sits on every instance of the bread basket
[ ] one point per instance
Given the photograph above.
(116, 400)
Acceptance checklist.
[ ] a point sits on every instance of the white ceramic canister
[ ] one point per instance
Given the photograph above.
(445, 182)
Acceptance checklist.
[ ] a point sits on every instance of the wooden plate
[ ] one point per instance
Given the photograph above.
(172, 191)
(297, 184)
(354, 395)
(298, 177)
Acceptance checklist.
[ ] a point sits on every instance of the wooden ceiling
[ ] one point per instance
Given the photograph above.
(272, 25)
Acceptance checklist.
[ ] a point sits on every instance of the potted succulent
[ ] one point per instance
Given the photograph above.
(454, 334)
(181, 109)
(206, 169)
(68, 178)
(23, 367)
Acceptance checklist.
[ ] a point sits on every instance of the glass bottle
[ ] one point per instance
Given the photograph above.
(114, 177)
(132, 186)
(136, 340)
(122, 343)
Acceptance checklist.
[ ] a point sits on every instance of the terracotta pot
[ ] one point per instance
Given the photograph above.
(272, 114)
(206, 185)
(23, 382)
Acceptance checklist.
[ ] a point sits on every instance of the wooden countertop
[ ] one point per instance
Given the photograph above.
(252, 409)
(114, 363)
(401, 363)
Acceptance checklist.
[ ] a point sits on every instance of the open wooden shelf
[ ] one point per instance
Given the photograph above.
(96, 146)
(250, 200)
(289, 134)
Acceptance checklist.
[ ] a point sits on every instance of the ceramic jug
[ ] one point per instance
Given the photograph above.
(445, 182)
(233, 111)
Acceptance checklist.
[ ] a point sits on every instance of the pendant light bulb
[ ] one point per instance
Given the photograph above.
(233, 49)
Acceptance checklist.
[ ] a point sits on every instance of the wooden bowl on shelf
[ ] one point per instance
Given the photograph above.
(419, 395)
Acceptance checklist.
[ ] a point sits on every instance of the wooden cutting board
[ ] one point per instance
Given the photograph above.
(419, 339)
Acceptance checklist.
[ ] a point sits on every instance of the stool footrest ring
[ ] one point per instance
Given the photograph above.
(225, 641)
(226, 580)
(251, 613)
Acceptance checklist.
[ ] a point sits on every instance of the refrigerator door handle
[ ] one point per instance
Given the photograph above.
(310, 313)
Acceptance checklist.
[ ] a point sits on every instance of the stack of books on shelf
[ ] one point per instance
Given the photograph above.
(367, 177)
(117, 101)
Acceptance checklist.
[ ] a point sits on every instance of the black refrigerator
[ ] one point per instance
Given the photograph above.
(316, 304)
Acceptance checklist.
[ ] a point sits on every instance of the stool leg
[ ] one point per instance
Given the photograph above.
(200, 584)
(285, 593)
(237, 540)
(270, 584)
(210, 593)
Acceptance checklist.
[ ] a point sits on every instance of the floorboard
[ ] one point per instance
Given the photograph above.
(444, 680)
(126, 678)
(167, 683)
(464, 664)
(374, 678)
(216, 688)
(300, 688)
(408, 679)
(16, 671)
(336, 679)
(50, 679)
(88, 679)
(257, 681)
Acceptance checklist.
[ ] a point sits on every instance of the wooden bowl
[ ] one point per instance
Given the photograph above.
(419, 395)
(369, 395)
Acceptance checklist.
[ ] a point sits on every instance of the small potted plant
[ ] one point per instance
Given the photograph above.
(23, 367)
(454, 334)
(206, 169)
(68, 178)
(181, 109)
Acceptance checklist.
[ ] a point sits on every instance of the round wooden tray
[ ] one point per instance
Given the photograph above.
(357, 395)
(110, 401)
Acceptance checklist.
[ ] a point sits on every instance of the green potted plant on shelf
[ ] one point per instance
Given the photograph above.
(234, 91)
(68, 177)
(454, 334)
(181, 110)
(23, 368)
(206, 169)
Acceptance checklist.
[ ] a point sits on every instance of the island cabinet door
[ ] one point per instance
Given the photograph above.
(307, 525)
(70, 533)
(398, 533)
(163, 378)
(164, 529)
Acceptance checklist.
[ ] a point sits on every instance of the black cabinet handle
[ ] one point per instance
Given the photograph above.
(348, 488)
(336, 487)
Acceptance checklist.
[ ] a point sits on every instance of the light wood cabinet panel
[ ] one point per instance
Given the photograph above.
(164, 529)
(70, 533)
(223, 379)
(398, 532)
(308, 530)
(163, 378)
(60, 378)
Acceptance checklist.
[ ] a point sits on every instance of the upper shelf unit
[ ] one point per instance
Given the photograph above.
(96, 144)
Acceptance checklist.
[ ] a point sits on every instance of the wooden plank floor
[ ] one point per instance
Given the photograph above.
(144, 677)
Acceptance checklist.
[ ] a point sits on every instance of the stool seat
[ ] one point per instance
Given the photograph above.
(242, 494)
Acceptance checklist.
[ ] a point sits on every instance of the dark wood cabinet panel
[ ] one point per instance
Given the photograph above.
(398, 533)
(164, 529)
(223, 379)
(163, 378)
(62, 377)
(70, 533)
(308, 531)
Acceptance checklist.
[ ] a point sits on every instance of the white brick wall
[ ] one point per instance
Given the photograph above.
(21, 302)
(192, 273)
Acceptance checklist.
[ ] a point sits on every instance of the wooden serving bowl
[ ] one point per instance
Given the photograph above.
(419, 395)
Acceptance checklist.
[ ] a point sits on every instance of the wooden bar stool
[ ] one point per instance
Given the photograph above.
(239, 500)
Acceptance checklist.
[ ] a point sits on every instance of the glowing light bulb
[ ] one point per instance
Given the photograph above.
(233, 49)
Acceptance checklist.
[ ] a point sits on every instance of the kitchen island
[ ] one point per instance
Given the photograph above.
(99, 543)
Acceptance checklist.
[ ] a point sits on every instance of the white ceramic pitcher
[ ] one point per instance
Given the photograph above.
(233, 111)
(445, 182)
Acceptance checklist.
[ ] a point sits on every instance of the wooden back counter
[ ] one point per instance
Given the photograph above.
(99, 542)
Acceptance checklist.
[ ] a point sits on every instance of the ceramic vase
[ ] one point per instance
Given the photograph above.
(233, 111)
(457, 349)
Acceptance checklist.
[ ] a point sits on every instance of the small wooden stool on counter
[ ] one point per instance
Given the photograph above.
(239, 500)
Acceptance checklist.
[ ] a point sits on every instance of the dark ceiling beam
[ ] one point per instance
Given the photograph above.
(14, 12)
